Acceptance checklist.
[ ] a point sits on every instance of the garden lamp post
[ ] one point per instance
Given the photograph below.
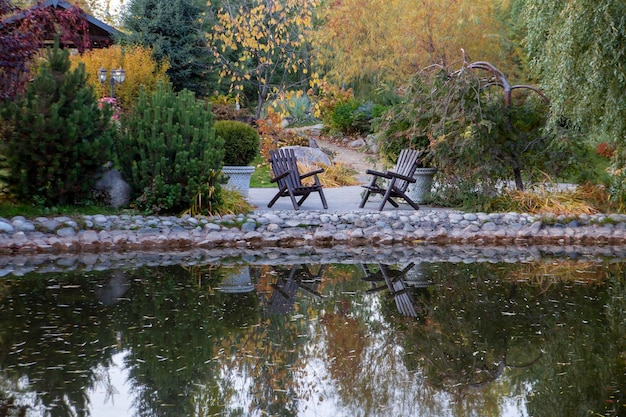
(117, 77)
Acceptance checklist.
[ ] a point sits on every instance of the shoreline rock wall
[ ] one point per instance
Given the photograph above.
(296, 229)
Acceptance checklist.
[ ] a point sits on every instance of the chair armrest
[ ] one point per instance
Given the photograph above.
(400, 176)
(314, 172)
(377, 173)
(281, 176)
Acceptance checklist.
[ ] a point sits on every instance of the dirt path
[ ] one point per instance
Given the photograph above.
(357, 159)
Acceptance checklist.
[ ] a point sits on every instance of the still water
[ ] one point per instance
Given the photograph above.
(541, 338)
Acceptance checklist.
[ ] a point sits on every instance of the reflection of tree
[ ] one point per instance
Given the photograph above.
(584, 372)
(359, 345)
(258, 364)
(464, 340)
(346, 337)
(55, 333)
(484, 335)
(170, 329)
(481, 324)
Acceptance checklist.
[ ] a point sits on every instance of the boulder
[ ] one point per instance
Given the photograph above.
(112, 188)
(310, 156)
(357, 143)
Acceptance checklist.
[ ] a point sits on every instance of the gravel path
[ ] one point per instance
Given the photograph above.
(357, 159)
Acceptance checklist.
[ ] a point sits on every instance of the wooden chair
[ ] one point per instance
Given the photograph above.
(285, 289)
(399, 179)
(285, 171)
(395, 283)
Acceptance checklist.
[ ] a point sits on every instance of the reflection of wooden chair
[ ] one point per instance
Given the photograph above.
(285, 290)
(399, 179)
(394, 280)
(285, 171)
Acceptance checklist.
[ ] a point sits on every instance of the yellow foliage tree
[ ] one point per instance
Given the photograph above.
(260, 42)
(388, 40)
(141, 70)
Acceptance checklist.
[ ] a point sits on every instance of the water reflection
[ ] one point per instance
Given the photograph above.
(234, 339)
(395, 280)
(287, 285)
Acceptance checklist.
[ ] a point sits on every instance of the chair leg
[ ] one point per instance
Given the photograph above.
(387, 194)
(296, 205)
(369, 192)
(411, 202)
(304, 197)
(365, 197)
(323, 198)
(393, 202)
(277, 196)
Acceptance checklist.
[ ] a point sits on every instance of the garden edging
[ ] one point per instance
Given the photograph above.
(293, 229)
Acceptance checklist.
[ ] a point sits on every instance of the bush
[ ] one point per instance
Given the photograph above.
(343, 117)
(142, 71)
(396, 132)
(241, 142)
(353, 118)
(296, 106)
(59, 137)
(273, 136)
(365, 114)
(169, 152)
(470, 131)
(327, 97)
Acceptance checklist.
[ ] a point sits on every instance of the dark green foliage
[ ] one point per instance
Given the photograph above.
(59, 136)
(475, 139)
(172, 29)
(576, 49)
(241, 142)
(397, 130)
(342, 117)
(168, 152)
(353, 117)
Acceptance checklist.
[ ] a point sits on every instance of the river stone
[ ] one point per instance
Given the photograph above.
(23, 225)
(310, 156)
(6, 227)
(66, 232)
(248, 227)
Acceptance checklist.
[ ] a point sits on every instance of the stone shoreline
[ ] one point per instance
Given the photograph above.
(294, 229)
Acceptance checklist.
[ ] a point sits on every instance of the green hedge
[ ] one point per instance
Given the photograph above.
(241, 142)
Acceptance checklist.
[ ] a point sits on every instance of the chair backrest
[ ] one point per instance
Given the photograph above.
(283, 160)
(406, 165)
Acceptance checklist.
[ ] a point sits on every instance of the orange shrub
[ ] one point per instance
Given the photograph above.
(141, 69)
(605, 150)
(273, 136)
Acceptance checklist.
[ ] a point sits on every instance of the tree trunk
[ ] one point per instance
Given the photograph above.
(517, 173)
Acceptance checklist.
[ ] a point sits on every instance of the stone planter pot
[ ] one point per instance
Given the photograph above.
(420, 190)
(237, 281)
(417, 277)
(238, 178)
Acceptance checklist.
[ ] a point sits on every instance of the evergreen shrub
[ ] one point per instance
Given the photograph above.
(343, 116)
(59, 137)
(169, 153)
(354, 118)
(241, 142)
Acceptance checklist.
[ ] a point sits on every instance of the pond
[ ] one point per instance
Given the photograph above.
(247, 336)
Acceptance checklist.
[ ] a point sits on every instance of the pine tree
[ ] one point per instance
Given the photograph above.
(59, 137)
(169, 152)
(172, 29)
